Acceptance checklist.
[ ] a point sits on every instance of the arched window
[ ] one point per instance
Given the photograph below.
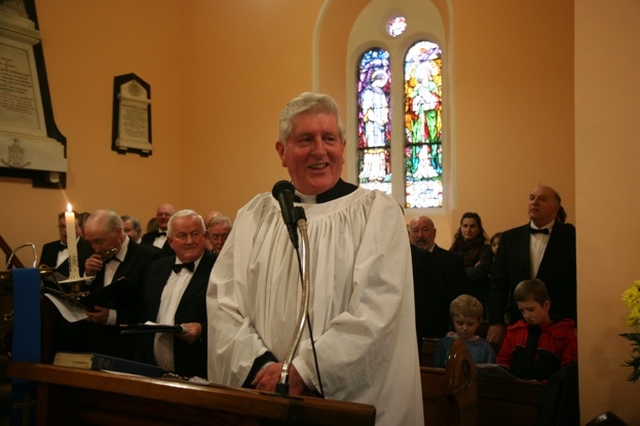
(374, 127)
(423, 125)
(401, 103)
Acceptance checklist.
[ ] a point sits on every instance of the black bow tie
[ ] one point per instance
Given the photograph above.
(538, 231)
(178, 267)
(62, 246)
(115, 259)
(161, 234)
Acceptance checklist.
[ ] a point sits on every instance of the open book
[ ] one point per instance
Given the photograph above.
(73, 308)
(494, 370)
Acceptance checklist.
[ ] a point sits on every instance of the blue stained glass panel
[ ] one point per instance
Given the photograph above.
(374, 120)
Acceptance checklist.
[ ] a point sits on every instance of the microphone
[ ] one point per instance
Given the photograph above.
(283, 191)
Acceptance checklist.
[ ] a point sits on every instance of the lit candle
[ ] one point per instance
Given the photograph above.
(70, 219)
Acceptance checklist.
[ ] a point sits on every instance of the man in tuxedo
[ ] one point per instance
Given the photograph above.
(438, 278)
(218, 229)
(55, 254)
(115, 256)
(544, 249)
(132, 227)
(158, 238)
(175, 293)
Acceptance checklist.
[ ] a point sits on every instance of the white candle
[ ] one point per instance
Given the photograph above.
(70, 219)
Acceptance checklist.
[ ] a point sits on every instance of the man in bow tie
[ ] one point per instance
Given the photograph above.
(55, 254)
(544, 248)
(175, 293)
(114, 256)
(158, 238)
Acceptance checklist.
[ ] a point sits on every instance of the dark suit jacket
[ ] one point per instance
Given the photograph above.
(189, 359)
(49, 256)
(438, 278)
(148, 239)
(84, 336)
(557, 270)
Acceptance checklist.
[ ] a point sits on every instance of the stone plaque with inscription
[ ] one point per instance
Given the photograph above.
(131, 115)
(30, 144)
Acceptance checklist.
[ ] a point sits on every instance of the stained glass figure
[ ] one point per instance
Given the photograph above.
(374, 128)
(423, 125)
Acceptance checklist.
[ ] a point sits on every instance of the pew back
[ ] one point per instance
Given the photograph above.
(449, 396)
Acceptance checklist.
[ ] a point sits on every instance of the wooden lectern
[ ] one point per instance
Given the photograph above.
(73, 396)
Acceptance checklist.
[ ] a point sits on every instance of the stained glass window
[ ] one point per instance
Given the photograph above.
(423, 125)
(396, 26)
(374, 124)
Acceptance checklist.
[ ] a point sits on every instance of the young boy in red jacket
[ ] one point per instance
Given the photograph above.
(538, 345)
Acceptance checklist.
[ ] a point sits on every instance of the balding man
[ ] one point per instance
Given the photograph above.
(544, 249)
(158, 238)
(438, 278)
(115, 256)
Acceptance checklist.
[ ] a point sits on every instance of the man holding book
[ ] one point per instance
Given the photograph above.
(115, 260)
(175, 293)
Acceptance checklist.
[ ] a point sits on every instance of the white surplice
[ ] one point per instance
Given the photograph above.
(361, 307)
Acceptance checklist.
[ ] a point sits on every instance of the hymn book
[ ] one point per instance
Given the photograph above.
(100, 362)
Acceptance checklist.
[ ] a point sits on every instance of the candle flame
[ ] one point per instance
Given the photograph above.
(69, 209)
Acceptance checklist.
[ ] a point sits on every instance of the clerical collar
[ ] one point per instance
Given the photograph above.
(340, 189)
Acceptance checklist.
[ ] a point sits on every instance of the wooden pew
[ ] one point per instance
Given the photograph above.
(498, 402)
(449, 396)
(503, 402)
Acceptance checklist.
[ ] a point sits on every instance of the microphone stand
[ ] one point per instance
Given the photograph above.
(282, 387)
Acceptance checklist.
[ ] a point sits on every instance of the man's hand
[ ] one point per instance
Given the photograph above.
(269, 376)
(495, 334)
(100, 316)
(92, 265)
(193, 331)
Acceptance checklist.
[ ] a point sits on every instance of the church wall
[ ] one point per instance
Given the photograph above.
(607, 98)
(87, 44)
(246, 60)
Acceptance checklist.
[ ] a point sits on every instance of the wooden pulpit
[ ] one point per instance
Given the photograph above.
(85, 397)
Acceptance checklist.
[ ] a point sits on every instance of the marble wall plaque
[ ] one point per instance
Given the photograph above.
(131, 115)
(30, 144)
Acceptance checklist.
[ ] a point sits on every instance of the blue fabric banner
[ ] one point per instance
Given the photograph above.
(26, 344)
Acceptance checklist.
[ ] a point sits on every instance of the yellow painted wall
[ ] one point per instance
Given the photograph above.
(607, 181)
(212, 64)
(87, 44)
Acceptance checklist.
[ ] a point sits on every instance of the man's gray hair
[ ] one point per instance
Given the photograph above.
(307, 102)
(184, 213)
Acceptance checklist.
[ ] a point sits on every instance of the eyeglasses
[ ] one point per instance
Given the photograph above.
(215, 237)
(183, 236)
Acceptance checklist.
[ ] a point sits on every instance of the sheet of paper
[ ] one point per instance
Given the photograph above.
(68, 311)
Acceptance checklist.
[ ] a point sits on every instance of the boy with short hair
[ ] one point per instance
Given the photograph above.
(466, 314)
(537, 345)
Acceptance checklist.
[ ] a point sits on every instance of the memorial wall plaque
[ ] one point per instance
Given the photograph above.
(131, 115)
(30, 144)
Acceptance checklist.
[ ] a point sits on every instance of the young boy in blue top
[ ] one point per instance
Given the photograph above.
(466, 314)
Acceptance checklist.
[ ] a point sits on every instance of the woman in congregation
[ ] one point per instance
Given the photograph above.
(470, 242)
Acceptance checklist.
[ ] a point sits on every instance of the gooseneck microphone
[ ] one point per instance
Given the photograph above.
(283, 191)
